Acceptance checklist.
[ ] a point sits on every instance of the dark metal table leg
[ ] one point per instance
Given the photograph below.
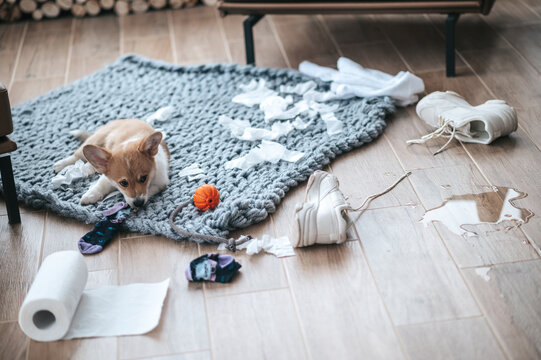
(10, 193)
(248, 24)
(450, 44)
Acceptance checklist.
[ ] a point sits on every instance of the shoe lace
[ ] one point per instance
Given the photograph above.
(366, 201)
(446, 129)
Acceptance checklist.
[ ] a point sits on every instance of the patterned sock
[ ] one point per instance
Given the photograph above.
(96, 240)
(212, 267)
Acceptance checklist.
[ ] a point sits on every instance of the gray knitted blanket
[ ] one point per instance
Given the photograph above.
(135, 87)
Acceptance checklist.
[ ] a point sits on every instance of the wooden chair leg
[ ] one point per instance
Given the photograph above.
(10, 194)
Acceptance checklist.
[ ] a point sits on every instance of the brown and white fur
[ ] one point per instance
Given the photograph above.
(131, 156)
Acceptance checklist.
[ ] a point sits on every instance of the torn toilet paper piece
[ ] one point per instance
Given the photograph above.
(297, 109)
(71, 173)
(241, 129)
(298, 89)
(161, 115)
(255, 93)
(334, 126)
(281, 247)
(274, 105)
(267, 151)
(193, 172)
(353, 80)
(299, 124)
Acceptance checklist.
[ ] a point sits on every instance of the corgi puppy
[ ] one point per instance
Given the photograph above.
(130, 156)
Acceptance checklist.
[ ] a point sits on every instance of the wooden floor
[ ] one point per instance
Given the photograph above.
(397, 290)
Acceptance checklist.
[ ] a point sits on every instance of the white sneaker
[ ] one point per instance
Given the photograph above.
(320, 219)
(455, 117)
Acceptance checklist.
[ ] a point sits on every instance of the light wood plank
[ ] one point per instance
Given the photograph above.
(507, 13)
(417, 41)
(380, 56)
(436, 185)
(508, 75)
(28, 89)
(63, 234)
(378, 160)
(267, 50)
(45, 50)
(527, 40)
(20, 247)
(147, 34)
(96, 43)
(10, 39)
(509, 294)
(457, 339)
(259, 325)
(341, 311)
(203, 355)
(353, 29)
(418, 280)
(198, 37)
(304, 38)
(182, 326)
(13, 342)
(80, 349)
(258, 272)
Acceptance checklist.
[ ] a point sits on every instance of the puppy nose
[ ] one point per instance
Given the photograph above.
(139, 202)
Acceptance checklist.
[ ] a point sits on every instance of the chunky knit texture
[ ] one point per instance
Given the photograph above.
(135, 87)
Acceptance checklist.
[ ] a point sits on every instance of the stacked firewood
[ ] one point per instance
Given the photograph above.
(13, 10)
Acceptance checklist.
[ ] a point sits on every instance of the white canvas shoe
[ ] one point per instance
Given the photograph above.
(454, 117)
(321, 218)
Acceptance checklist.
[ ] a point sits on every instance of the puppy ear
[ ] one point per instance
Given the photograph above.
(97, 156)
(149, 145)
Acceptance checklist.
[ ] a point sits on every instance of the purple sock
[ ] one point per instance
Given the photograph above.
(96, 240)
(212, 267)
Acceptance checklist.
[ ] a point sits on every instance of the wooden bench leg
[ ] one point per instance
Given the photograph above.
(450, 44)
(248, 24)
(10, 194)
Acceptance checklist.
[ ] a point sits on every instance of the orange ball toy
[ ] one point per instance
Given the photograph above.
(206, 197)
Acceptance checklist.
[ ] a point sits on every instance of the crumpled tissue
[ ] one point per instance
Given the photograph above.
(161, 115)
(71, 173)
(281, 247)
(254, 93)
(57, 306)
(193, 172)
(353, 80)
(298, 89)
(267, 151)
(242, 130)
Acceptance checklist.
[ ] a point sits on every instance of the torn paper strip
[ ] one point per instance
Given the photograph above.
(71, 173)
(193, 172)
(163, 114)
(299, 124)
(274, 106)
(241, 129)
(254, 96)
(280, 247)
(334, 126)
(298, 89)
(267, 151)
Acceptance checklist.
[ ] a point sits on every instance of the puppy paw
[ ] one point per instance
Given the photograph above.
(58, 166)
(90, 197)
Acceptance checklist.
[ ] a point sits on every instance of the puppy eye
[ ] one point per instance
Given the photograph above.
(123, 183)
(142, 179)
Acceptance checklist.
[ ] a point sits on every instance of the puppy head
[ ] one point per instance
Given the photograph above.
(130, 167)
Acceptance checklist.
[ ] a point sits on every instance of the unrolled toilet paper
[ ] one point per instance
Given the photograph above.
(57, 306)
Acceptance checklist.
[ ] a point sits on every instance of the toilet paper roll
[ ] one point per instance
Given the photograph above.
(57, 307)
